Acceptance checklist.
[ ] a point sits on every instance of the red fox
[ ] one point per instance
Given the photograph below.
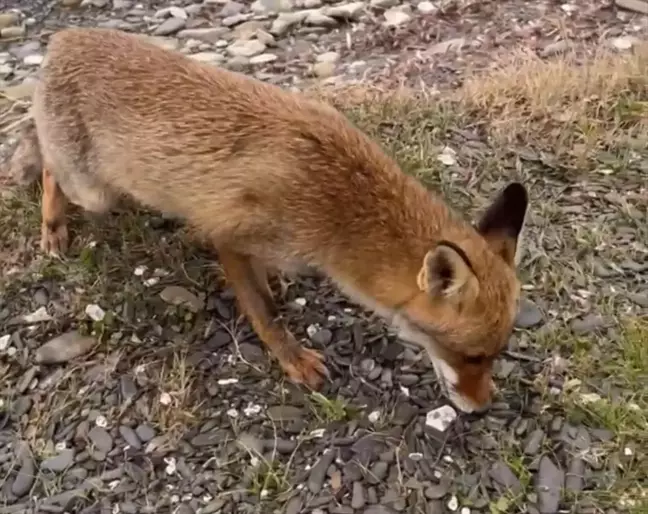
(274, 180)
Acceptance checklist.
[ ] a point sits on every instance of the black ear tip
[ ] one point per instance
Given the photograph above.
(516, 191)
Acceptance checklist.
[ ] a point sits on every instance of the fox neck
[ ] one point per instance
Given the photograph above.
(379, 268)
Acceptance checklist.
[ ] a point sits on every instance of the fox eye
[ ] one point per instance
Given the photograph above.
(475, 359)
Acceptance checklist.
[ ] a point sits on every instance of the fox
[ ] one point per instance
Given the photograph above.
(276, 181)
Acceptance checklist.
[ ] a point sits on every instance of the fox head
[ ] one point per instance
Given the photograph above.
(465, 310)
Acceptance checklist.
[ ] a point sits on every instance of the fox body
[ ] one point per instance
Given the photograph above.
(274, 180)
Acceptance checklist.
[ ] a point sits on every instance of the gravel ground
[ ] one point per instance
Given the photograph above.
(130, 385)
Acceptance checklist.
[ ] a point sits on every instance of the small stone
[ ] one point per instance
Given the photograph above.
(24, 479)
(231, 8)
(263, 58)
(12, 32)
(358, 496)
(318, 19)
(395, 17)
(101, 439)
(426, 7)
(285, 21)
(294, 506)
(575, 478)
(60, 462)
(534, 442)
(450, 45)
(169, 26)
(328, 57)
(176, 295)
(145, 433)
(588, 324)
(640, 6)
(246, 48)
(206, 35)
(441, 418)
(379, 509)
(318, 471)
(8, 19)
(130, 436)
(210, 438)
(503, 475)
(528, 315)
(324, 69)
(350, 11)
(209, 57)
(64, 348)
(624, 42)
(436, 491)
(94, 312)
(549, 483)
(383, 4)
(322, 337)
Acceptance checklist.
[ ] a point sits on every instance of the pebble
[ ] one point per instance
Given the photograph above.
(60, 462)
(169, 26)
(26, 474)
(246, 48)
(177, 295)
(145, 433)
(549, 483)
(318, 471)
(358, 496)
(64, 348)
(130, 436)
(502, 474)
(528, 315)
(441, 418)
(101, 439)
(395, 17)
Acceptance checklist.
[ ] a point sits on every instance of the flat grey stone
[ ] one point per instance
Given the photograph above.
(101, 439)
(60, 462)
(549, 483)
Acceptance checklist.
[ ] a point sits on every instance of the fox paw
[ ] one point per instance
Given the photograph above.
(305, 366)
(54, 239)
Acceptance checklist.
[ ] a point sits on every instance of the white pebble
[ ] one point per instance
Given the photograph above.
(171, 465)
(441, 418)
(95, 312)
(38, 316)
(165, 399)
(252, 409)
(374, 416)
(627, 451)
(101, 421)
(4, 342)
(311, 330)
(416, 456)
(139, 271)
(453, 503)
(233, 413)
(318, 432)
(465, 510)
(227, 381)
(300, 301)
(447, 156)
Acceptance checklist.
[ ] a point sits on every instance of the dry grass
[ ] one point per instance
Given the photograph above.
(565, 111)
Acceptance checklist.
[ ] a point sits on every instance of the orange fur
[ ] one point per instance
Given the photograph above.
(273, 179)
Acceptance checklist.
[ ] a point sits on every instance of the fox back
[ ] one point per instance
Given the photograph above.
(289, 181)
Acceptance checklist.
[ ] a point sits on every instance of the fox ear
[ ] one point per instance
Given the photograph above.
(447, 274)
(502, 222)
